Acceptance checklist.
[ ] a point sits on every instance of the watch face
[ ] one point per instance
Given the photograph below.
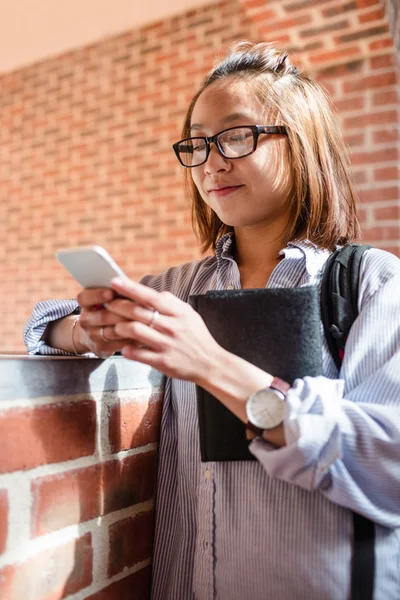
(265, 408)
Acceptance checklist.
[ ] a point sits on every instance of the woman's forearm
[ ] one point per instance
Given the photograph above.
(58, 334)
(232, 380)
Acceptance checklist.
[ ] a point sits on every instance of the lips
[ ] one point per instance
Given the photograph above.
(222, 188)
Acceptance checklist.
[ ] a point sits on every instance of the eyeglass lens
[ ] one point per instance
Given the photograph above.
(234, 143)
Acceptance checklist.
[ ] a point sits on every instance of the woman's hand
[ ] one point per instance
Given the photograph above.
(177, 340)
(94, 319)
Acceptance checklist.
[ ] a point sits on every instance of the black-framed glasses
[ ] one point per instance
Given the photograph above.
(235, 142)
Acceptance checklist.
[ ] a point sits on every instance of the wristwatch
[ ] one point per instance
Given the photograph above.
(265, 408)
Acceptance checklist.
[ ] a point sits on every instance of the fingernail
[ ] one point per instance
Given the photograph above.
(116, 280)
(108, 295)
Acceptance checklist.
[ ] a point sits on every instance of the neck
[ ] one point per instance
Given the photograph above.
(256, 249)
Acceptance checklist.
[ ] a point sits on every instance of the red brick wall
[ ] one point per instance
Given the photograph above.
(86, 137)
(77, 484)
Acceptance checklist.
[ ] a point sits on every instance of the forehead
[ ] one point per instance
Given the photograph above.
(224, 99)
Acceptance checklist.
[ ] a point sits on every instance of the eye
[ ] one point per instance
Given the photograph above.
(199, 146)
(238, 138)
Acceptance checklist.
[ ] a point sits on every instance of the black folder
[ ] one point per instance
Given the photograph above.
(276, 329)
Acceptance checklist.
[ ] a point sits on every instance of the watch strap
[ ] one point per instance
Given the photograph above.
(280, 385)
(257, 430)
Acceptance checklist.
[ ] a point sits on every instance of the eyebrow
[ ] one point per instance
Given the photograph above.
(227, 119)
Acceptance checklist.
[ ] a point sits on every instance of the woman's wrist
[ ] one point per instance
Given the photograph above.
(58, 334)
(232, 380)
(78, 347)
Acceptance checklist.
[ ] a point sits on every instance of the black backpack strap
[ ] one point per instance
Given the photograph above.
(339, 296)
(327, 307)
(363, 562)
(339, 309)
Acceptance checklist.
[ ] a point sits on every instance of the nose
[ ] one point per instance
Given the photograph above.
(216, 162)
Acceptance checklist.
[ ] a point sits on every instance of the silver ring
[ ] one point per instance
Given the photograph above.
(154, 318)
(102, 334)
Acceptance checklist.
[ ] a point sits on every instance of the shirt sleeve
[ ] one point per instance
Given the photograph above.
(44, 313)
(343, 435)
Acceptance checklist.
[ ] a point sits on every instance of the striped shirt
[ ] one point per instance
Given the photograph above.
(280, 527)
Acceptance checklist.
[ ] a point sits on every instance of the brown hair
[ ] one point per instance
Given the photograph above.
(323, 208)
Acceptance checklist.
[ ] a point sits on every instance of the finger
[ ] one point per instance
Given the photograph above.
(100, 318)
(108, 334)
(102, 344)
(164, 302)
(134, 330)
(143, 355)
(89, 297)
(129, 310)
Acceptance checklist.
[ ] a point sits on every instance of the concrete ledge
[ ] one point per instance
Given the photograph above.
(39, 376)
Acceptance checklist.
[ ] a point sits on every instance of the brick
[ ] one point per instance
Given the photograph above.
(375, 156)
(353, 140)
(249, 4)
(282, 24)
(386, 136)
(377, 118)
(388, 213)
(131, 541)
(382, 62)
(373, 15)
(293, 6)
(3, 520)
(350, 104)
(340, 70)
(363, 34)
(50, 575)
(334, 55)
(381, 44)
(333, 11)
(83, 494)
(382, 233)
(387, 174)
(370, 82)
(315, 45)
(264, 15)
(380, 194)
(134, 424)
(360, 177)
(366, 3)
(362, 215)
(50, 434)
(386, 97)
(132, 587)
(338, 26)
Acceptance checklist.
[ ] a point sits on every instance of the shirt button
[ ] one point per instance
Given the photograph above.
(207, 474)
(230, 287)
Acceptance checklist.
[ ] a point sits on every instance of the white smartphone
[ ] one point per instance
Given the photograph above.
(91, 266)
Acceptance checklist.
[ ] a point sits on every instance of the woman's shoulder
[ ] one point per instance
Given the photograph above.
(180, 280)
(378, 267)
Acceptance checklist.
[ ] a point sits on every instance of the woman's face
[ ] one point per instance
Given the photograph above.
(244, 192)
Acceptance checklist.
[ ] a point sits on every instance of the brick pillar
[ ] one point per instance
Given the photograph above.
(78, 449)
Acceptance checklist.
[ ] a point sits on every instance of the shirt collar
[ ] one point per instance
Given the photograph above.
(302, 250)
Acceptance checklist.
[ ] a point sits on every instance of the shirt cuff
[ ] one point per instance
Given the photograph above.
(311, 428)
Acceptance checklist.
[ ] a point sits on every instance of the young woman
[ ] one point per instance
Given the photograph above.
(272, 195)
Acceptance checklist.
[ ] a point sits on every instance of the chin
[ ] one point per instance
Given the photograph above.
(239, 221)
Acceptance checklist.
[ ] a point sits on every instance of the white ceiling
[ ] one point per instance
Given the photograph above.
(32, 30)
